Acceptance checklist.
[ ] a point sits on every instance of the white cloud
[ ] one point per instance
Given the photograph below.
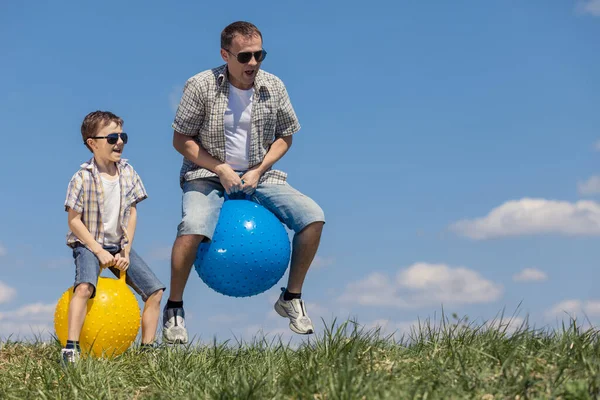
(529, 275)
(175, 97)
(422, 285)
(597, 146)
(2, 250)
(508, 325)
(397, 330)
(589, 187)
(574, 308)
(534, 216)
(591, 7)
(6, 293)
(30, 320)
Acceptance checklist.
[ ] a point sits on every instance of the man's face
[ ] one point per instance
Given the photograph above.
(105, 151)
(242, 75)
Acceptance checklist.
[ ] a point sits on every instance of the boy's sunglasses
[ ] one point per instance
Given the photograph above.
(113, 138)
(245, 56)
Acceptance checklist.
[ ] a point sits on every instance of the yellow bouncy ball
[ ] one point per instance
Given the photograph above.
(112, 321)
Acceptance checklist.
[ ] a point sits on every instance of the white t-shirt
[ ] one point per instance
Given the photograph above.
(238, 117)
(112, 207)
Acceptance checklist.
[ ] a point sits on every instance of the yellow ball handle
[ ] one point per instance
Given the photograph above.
(122, 275)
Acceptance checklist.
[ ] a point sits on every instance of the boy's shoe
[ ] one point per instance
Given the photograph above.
(294, 310)
(174, 331)
(148, 348)
(69, 356)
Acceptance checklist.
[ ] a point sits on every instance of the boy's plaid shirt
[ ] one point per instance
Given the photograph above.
(85, 196)
(202, 108)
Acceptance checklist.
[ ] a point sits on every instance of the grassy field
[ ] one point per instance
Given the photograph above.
(457, 360)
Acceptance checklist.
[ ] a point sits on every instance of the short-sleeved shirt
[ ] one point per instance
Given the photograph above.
(201, 115)
(85, 196)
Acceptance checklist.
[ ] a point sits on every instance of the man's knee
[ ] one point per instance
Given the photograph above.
(188, 242)
(313, 228)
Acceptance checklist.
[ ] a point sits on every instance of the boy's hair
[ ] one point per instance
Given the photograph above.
(95, 121)
(243, 28)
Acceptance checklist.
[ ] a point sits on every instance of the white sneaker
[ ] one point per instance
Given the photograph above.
(174, 331)
(69, 356)
(294, 310)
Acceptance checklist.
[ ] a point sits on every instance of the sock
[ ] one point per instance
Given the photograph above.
(287, 296)
(174, 304)
(73, 345)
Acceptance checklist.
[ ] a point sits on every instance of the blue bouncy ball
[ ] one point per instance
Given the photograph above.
(249, 251)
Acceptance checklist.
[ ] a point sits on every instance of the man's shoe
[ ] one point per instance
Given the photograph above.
(69, 356)
(294, 310)
(174, 331)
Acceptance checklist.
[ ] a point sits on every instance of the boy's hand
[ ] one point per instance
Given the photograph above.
(105, 258)
(230, 181)
(122, 261)
(250, 179)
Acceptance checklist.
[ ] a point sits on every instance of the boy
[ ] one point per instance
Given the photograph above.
(101, 204)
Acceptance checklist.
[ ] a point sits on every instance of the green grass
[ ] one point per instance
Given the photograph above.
(447, 360)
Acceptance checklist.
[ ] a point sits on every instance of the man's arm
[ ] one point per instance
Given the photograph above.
(277, 150)
(187, 147)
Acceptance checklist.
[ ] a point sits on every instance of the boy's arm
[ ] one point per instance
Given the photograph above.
(131, 224)
(81, 231)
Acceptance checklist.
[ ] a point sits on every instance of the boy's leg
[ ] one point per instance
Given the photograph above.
(143, 280)
(201, 205)
(87, 269)
(304, 216)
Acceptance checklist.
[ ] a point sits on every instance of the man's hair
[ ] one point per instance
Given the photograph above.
(95, 121)
(243, 28)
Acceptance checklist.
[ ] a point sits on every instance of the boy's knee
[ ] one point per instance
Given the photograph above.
(155, 297)
(84, 290)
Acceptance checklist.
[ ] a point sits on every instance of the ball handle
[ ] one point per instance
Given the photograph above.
(122, 275)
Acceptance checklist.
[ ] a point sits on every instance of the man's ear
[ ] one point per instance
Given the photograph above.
(224, 55)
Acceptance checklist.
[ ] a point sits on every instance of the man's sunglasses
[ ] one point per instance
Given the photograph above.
(113, 138)
(245, 56)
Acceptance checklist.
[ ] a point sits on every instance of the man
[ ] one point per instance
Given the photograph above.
(234, 122)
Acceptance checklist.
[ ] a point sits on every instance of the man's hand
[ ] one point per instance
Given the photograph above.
(230, 181)
(122, 261)
(250, 179)
(105, 258)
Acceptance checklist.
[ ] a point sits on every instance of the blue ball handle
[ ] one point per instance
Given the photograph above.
(246, 197)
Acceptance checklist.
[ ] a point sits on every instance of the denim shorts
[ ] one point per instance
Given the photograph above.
(203, 198)
(139, 276)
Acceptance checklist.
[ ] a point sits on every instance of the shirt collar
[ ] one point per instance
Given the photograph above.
(91, 164)
(259, 81)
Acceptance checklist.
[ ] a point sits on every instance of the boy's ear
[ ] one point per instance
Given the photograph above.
(90, 142)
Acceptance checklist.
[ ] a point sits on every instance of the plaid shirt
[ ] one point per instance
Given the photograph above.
(85, 196)
(202, 108)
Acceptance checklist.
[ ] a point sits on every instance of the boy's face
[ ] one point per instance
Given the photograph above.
(104, 151)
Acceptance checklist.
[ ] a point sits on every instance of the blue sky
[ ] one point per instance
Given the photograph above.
(453, 146)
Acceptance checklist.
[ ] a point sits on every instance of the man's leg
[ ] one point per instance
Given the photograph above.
(304, 248)
(183, 256)
(304, 216)
(201, 205)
